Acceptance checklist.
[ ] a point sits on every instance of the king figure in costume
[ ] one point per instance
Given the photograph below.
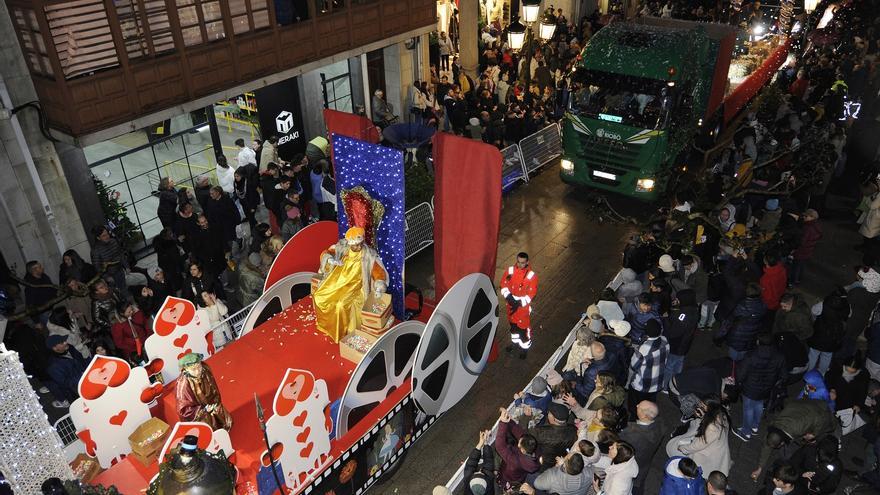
(198, 398)
(351, 272)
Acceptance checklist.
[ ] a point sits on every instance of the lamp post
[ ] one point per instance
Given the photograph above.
(519, 35)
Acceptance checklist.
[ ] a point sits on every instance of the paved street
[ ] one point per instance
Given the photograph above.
(574, 257)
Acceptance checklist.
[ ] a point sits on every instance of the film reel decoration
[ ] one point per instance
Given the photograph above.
(384, 368)
(279, 297)
(456, 343)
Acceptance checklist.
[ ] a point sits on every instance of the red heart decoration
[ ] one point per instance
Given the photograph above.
(277, 449)
(155, 366)
(304, 435)
(299, 420)
(181, 341)
(150, 393)
(184, 353)
(302, 477)
(307, 450)
(118, 418)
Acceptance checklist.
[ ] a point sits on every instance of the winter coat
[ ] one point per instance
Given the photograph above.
(674, 483)
(80, 270)
(193, 288)
(798, 321)
(810, 236)
(223, 215)
(773, 283)
(225, 179)
(514, 464)
(250, 283)
(536, 402)
(109, 254)
(123, 333)
(761, 369)
(555, 480)
(681, 324)
(66, 370)
(486, 469)
(645, 440)
(699, 282)
(619, 478)
(872, 334)
(849, 393)
(553, 441)
(38, 296)
(638, 321)
(795, 351)
(870, 220)
(586, 383)
(745, 323)
(799, 417)
(736, 275)
(711, 453)
(828, 329)
(169, 199)
(74, 338)
(619, 348)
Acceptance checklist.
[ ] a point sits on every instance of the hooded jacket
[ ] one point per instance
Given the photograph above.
(814, 380)
(674, 483)
(746, 323)
(681, 324)
(619, 478)
(760, 371)
(799, 417)
(798, 321)
(810, 236)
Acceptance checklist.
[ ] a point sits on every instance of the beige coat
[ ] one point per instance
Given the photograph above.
(870, 220)
(711, 453)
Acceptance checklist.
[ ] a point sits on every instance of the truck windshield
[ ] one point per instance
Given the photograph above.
(630, 100)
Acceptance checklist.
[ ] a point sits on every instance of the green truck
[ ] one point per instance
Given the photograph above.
(639, 94)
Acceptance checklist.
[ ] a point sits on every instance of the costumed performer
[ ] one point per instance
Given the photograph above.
(198, 398)
(351, 271)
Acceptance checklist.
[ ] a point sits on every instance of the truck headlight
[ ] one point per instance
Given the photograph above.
(645, 185)
(567, 166)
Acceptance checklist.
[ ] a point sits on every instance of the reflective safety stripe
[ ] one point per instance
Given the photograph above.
(526, 299)
(525, 345)
(505, 291)
(530, 275)
(510, 271)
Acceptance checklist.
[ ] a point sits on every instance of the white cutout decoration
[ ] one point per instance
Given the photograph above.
(299, 431)
(177, 330)
(211, 441)
(112, 404)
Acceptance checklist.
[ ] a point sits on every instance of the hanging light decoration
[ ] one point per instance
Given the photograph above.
(810, 5)
(516, 35)
(530, 10)
(546, 29)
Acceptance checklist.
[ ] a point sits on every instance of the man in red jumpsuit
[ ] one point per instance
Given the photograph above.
(519, 284)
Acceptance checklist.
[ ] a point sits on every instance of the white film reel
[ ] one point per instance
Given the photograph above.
(384, 368)
(279, 297)
(456, 343)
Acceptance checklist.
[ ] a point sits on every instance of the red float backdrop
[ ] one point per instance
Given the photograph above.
(302, 252)
(467, 209)
(351, 125)
(750, 87)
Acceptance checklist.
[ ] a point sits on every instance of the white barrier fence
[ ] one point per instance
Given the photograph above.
(454, 483)
(541, 147)
(418, 228)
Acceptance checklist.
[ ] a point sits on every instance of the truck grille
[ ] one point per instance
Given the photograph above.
(609, 156)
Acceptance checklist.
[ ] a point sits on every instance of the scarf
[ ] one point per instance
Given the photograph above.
(847, 376)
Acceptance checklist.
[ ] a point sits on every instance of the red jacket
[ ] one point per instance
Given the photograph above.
(514, 464)
(522, 284)
(799, 87)
(124, 334)
(773, 283)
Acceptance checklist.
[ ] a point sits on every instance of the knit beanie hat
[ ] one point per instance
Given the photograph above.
(553, 378)
(539, 387)
(665, 263)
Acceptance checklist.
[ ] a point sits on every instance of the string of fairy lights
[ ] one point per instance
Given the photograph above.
(380, 171)
(30, 449)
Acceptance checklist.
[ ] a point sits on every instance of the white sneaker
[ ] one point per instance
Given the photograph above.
(43, 390)
(60, 404)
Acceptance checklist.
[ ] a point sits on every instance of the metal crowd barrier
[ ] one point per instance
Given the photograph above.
(513, 168)
(540, 148)
(418, 229)
(457, 478)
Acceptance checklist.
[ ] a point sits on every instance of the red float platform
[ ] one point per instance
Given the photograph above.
(256, 363)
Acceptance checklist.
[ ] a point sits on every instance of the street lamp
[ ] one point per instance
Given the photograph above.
(546, 30)
(516, 35)
(530, 10)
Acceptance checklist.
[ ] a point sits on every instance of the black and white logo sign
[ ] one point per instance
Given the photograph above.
(284, 122)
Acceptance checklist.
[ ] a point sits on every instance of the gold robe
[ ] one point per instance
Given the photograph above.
(195, 394)
(340, 298)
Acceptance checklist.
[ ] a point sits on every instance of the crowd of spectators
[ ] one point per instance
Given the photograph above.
(215, 248)
(728, 258)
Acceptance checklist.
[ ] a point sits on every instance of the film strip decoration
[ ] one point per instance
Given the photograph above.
(352, 473)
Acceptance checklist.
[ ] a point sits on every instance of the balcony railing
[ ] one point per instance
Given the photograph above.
(98, 63)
